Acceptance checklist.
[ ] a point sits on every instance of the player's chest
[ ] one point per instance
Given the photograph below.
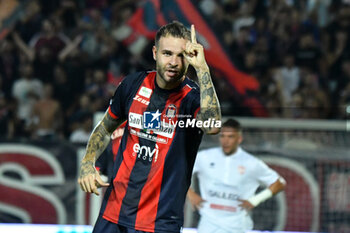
(154, 116)
(151, 100)
(229, 172)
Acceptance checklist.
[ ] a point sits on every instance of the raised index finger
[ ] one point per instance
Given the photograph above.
(193, 35)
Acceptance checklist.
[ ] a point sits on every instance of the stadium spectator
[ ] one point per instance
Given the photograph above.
(343, 90)
(295, 108)
(46, 49)
(344, 103)
(47, 114)
(316, 103)
(262, 54)
(48, 38)
(9, 62)
(271, 94)
(244, 19)
(6, 116)
(288, 76)
(75, 63)
(307, 53)
(241, 45)
(99, 89)
(320, 8)
(228, 178)
(82, 133)
(30, 21)
(27, 91)
(68, 13)
(161, 176)
(63, 90)
(343, 79)
(79, 109)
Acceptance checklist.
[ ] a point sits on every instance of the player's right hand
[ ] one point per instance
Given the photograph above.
(89, 178)
(196, 201)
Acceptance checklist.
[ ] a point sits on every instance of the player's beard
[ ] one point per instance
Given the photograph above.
(179, 74)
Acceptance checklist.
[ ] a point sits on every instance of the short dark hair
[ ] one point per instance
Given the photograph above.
(232, 123)
(175, 29)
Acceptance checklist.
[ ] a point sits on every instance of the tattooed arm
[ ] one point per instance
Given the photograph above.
(89, 179)
(209, 103)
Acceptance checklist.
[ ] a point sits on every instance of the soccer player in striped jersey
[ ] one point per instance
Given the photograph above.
(166, 115)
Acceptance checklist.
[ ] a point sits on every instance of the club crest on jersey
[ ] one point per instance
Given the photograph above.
(145, 92)
(170, 111)
(241, 170)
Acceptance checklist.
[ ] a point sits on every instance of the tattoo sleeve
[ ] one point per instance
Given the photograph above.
(209, 103)
(100, 138)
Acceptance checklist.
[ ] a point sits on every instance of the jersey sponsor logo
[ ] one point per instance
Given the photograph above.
(223, 207)
(145, 152)
(166, 130)
(141, 100)
(145, 92)
(151, 120)
(151, 137)
(223, 195)
(135, 120)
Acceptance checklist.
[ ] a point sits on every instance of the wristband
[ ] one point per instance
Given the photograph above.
(260, 197)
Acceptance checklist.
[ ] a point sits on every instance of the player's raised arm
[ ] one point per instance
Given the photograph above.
(209, 103)
(89, 179)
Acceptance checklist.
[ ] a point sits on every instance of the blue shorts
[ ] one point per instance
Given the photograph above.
(104, 226)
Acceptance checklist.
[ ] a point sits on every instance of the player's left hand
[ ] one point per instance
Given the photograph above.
(244, 204)
(194, 52)
(89, 178)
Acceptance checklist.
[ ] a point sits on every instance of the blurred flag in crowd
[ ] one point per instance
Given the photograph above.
(8, 15)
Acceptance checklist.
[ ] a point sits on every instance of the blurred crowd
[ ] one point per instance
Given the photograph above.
(63, 59)
(298, 50)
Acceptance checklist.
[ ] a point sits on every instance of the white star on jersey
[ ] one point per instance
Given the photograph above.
(156, 115)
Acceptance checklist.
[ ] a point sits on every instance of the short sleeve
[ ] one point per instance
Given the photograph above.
(117, 104)
(265, 174)
(123, 95)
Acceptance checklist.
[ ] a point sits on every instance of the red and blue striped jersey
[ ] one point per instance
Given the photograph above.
(153, 166)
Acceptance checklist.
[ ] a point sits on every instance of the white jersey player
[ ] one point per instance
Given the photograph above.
(228, 179)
